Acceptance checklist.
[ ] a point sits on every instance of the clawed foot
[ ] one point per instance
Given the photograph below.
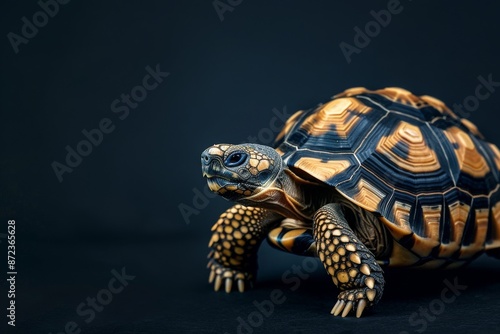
(220, 275)
(354, 300)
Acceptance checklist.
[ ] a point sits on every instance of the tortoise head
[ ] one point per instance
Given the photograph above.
(237, 172)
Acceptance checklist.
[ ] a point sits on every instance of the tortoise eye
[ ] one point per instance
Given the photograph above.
(235, 159)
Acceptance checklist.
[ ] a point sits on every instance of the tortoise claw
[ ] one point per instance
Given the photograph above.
(218, 282)
(211, 277)
(347, 309)
(228, 277)
(361, 308)
(339, 308)
(353, 300)
(241, 285)
(335, 307)
(229, 285)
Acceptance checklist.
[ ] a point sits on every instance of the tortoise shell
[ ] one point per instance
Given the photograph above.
(428, 174)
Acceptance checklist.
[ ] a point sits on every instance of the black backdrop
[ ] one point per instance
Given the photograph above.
(229, 68)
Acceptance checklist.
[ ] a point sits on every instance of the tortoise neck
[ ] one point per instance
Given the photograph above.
(293, 187)
(305, 192)
(291, 196)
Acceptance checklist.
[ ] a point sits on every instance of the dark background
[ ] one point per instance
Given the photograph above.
(120, 206)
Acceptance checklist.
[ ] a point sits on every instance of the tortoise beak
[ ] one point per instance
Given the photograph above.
(220, 179)
(211, 164)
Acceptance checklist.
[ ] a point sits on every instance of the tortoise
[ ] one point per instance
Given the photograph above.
(370, 179)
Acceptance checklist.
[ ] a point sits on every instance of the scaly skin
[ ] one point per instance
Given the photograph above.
(235, 241)
(351, 265)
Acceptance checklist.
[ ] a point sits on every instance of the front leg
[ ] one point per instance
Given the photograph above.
(235, 242)
(351, 265)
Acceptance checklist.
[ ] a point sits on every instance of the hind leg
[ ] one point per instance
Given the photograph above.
(350, 264)
(293, 238)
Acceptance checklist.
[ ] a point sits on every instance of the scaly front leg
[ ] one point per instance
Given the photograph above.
(235, 242)
(351, 265)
